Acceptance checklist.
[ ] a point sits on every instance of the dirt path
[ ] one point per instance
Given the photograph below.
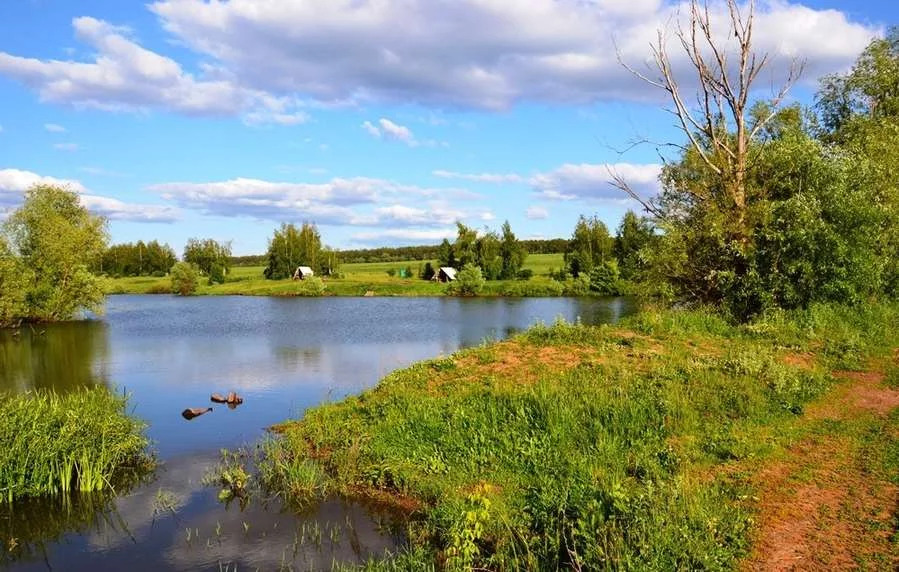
(820, 508)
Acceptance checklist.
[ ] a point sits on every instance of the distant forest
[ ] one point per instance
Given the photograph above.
(402, 253)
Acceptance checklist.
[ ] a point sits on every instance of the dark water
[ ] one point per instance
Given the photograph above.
(282, 356)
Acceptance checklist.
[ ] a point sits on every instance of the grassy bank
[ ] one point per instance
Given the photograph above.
(356, 280)
(638, 446)
(58, 443)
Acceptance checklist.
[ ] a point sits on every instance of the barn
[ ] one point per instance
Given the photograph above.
(445, 274)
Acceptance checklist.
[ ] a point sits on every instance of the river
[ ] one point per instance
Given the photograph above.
(282, 355)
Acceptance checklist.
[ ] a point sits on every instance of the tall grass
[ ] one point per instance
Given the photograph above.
(606, 461)
(56, 443)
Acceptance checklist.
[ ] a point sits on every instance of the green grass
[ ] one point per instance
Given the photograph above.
(357, 279)
(509, 460)
(59, 443)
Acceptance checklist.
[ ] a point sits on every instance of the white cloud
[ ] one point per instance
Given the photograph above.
(387, 129)
(358, 201)
(54, 128)
(404, 236)
(126, 76)
(501, 52)
(14, 183)
(588, 181)
(536, 212)
(496, 178)
(260, 59)
(66, 146)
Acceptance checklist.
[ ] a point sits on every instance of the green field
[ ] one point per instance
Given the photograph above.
(356, 280)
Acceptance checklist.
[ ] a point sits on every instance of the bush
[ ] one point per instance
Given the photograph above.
(184, 279)
(312, 286)
(216, 274)
(533, 289)
(427, 272)
(579, 286)
(604, 278)
(469, 282)
(524, 274)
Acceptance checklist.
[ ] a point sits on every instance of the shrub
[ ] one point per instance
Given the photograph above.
(469, 282)
(524, 274)
(184, 279)
(604, 278)
(216, 274)
(312, 286)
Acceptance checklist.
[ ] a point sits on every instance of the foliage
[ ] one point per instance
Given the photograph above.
(512, 252)
(446, 256)
(204, 254)
(56, 443)
(524, 274)
(604, 278)
(216, 274)
(628, 461)
(633, 236)
(589, 246)
(312, 286)
(47, 246)
(137, 259)
(427, 272)
(499, 258)
(183, 279)
(469, 282)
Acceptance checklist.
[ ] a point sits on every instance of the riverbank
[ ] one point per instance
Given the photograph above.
(376, 279)
(673, 440)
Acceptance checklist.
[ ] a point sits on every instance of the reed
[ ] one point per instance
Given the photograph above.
(58, 443)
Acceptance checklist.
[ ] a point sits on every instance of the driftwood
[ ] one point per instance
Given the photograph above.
(192, 412)
(232, 400)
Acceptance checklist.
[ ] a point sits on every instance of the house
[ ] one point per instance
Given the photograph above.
(302, 273)
(445, 274)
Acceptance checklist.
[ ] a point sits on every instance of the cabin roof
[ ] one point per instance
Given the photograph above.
(449, 271)
(304, 270)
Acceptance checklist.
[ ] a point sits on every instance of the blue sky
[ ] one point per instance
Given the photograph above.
(383, 121)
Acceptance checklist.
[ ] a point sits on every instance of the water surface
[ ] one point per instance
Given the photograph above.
(282, 355)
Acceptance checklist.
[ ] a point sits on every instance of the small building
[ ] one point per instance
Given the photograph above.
(445, 274)
(303, 272)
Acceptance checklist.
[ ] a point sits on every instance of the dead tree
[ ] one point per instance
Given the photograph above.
(716, 127)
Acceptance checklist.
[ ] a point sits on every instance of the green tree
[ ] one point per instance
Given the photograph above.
(14, 279)
(57, 240)
(427, 272)
(465, 249)
(604, 278)
(469, 281)
(488, 255)
(446, 256)
(590, 245)
(291, 247)
(634, 234)
(512, 252)
(183, 278)
(205, 254)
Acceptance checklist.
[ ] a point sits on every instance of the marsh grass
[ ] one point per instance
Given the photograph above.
(54, 444)
(613, 460)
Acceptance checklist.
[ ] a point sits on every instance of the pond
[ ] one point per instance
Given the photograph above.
(282, 355)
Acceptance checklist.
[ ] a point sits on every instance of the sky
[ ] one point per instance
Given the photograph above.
(382, 121)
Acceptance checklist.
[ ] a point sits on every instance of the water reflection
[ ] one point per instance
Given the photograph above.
(59, 356)
(282, 356)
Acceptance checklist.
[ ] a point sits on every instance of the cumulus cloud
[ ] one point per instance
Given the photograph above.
(358, 201)
(404, 236)
(502, 52)
(536, 212)
(495, 178)
(14, 183)
(126, 76)
(54, 128)
(588, 181)
(387, 129)
(261, 59)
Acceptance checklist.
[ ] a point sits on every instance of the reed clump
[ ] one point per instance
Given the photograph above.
(56, 443)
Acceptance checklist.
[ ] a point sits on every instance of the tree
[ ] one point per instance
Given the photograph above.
(291, 247)
(427, 272)
(469, 281)
(445, 255)
(718, 130)
(512, 252)
(465, 249)
(590, 245)
(184, 279)
(205, 254)
(634, 234)
(51, 241)
(488, 250)
(604, 278)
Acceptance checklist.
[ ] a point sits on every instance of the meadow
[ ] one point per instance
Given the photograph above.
(671, 441)
(356, 280)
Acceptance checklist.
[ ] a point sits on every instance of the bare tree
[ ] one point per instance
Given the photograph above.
(716, 127)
